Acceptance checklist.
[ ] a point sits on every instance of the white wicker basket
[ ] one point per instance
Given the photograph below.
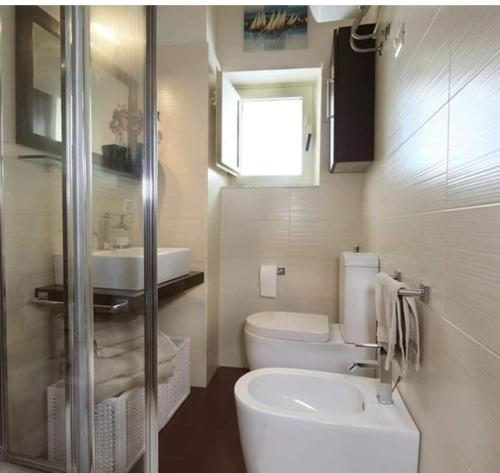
(120, 421)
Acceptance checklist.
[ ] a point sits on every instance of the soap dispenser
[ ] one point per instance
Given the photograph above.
(121, 234)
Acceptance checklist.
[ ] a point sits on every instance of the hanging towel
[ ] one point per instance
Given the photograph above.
(397, 321)
(268, 276)
(412, 334)
(388, 313)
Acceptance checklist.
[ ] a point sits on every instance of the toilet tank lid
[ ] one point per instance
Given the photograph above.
(359, 260)
(290, 326)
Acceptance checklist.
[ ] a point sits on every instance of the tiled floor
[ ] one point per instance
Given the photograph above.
(203, 435)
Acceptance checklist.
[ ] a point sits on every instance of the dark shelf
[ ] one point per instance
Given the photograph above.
(43, 159)
(167, 289)
(49, 160)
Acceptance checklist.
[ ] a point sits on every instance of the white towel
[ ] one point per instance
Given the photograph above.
(412, 335)
(114, 332)
(133, 344)
(394, 316)
(116, 386)
(131, 362)
(268, 276)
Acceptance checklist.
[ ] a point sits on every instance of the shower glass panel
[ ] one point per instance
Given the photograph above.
(32, 225)
(117, 55)
(35, 241)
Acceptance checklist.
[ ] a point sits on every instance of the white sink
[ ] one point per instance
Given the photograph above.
(298, 421)
(124, 268)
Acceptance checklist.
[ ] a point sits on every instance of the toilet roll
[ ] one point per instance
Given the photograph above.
(268, 278)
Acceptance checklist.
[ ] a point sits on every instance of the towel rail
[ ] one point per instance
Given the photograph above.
(120, 306)
(363, 10)
(422, 293)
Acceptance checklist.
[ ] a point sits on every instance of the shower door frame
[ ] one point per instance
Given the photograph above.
(77, 190)
(3, 306)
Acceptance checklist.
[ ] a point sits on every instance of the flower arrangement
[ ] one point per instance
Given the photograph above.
(119, 123)
(124, 122)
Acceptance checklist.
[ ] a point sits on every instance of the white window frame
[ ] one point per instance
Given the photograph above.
(310, 162)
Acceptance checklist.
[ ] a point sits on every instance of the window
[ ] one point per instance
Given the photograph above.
(269, 126)
(271, 137)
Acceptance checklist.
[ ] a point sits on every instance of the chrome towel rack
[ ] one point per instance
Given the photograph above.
(120, 306)
(375, 34)
(422, 293)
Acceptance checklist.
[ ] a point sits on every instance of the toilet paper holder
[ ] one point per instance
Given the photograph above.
(280, 271)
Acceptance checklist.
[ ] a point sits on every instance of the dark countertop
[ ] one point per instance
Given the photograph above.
(109, 297)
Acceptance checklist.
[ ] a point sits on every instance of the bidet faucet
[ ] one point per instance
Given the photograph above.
(384, 388)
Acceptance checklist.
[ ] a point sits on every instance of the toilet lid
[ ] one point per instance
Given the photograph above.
(290, 326)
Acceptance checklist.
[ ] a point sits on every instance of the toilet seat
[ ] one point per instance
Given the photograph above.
(290, 326)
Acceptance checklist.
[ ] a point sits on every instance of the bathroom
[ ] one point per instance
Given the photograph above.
(145, 263)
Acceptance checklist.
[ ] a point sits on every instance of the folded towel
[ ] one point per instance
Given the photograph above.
(164, 342)
(121, 384)
(397, 321)
(131, 362)
(111, 333)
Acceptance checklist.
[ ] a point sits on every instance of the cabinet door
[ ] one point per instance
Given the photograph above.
(228, 119)
(354, 97)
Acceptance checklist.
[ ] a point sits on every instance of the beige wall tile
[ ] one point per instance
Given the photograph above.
(302, 229)
(474, 160)
(425, 214)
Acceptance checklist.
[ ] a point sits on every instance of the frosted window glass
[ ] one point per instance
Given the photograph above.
(271, 137)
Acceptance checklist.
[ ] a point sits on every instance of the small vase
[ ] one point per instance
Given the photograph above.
(115, 157)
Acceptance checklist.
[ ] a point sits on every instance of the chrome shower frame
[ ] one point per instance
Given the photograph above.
(150, 198)
(3, 311)
(77, 178)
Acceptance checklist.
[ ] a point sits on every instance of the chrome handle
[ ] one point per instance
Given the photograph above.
(377, 345)
(330, 99)
(364, 364)
(39, 301)
(120, 306)
(367, 345)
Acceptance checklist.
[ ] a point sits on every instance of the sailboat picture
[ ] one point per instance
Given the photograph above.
(274, 27)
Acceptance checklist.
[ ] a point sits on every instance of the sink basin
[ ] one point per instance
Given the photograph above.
(310, 397)
(298, 421)
(124, 268)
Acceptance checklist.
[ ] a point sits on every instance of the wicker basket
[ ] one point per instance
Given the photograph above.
(119, 422)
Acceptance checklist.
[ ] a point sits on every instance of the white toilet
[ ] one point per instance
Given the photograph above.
(301, 340)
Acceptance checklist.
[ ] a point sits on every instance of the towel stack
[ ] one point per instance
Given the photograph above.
(397, 322)
(119, 356)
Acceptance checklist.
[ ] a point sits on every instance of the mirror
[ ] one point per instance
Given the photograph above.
(115, 113)
(46, 113)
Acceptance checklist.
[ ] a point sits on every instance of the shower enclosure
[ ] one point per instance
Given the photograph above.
(78, 178)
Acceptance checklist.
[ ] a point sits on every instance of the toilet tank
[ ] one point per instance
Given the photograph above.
(357, 296)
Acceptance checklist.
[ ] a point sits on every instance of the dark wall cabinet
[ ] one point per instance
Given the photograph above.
(351, 103)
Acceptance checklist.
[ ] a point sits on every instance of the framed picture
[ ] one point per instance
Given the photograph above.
(275, 27)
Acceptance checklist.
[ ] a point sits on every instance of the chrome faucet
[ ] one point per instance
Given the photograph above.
(103, 234)
(385, 387)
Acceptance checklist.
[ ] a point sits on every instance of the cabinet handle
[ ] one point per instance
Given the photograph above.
(330, 99)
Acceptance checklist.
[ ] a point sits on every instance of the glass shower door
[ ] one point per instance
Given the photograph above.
(78, 374)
